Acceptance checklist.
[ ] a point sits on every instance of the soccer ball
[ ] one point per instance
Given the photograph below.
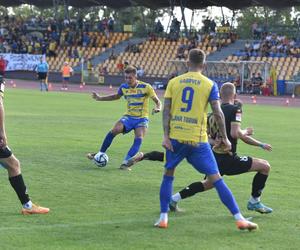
(101, 159)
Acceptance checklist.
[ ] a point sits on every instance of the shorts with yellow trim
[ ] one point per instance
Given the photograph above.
(200, 156)
(131, 123)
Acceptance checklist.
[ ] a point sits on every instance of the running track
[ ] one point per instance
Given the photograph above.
(286, 101)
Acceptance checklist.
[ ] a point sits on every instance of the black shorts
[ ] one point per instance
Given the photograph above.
(42, 75)
(5, 152)
(233, 164)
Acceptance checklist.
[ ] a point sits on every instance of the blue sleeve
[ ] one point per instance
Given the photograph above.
(214, 93)
(120, 92)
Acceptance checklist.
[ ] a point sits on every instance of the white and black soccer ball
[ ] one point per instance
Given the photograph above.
(101, 159)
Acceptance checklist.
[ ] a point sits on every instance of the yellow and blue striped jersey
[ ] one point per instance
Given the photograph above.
(137, 98)
(190, 94)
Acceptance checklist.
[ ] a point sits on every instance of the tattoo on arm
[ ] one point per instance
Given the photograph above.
(167, 116)
(219, 117)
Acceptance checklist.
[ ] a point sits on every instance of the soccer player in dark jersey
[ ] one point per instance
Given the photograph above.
(232, 164)
(228, 163)
(12, 165)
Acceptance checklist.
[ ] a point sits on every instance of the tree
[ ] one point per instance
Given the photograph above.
(279, 21)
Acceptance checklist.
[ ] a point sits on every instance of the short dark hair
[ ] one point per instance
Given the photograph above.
(197, 56)
(130, 69)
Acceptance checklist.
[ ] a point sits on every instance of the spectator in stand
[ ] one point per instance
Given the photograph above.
(85, 39)
(126, 64)
(247, 46)
(206, 25)
(258, 84)
(112, 55)
(75, 53)
(254, 30)
(120, 67)
(159, 28)
(180, 51)
(106, 32)
(67, 72)
(174, 30)
(192, 45)
(140, 72)
(102, 70)
(3, 64)
(90, 66)
(52, 48)
(213, 26)
(110, 24)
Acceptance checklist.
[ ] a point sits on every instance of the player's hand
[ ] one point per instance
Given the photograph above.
(266, 147)
(226, 144)
(155, 110)
(3, 140)
(217, 142)
(95, 96)
(249, 131)
(167, 144)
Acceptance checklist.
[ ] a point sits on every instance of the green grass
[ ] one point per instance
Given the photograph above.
(93, 208)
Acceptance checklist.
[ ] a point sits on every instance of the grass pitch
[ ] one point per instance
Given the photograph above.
(93, 208)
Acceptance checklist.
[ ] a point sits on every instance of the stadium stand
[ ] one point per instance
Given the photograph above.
(282, 53)
(98, 45)
(60, 41)
(153, 55)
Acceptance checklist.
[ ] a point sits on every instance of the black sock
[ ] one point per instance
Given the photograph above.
(258, 184)
(18, 185)
(191, 190)
(154, 156)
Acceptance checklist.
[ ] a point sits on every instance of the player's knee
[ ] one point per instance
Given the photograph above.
(14, 166)
(207, 185)
(116, 130)
(266, 167)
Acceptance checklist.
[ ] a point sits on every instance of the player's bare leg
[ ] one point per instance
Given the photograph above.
(12, 165)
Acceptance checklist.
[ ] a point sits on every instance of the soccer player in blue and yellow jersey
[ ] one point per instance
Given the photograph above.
(137, 95)
(185, 136)
(12, 165)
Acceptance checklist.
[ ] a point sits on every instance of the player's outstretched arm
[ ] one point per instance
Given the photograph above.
(220, 120)
(166, 124)
(157, 105)
(245, 136)
(252, 141)
(112, 97)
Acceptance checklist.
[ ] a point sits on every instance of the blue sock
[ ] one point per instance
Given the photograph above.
(134, 148)
(166, 189)
(226, 196)
(107, 141)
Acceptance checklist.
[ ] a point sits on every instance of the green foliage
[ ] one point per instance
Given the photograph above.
(142, 19)
(279, 21)
(93, 208)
